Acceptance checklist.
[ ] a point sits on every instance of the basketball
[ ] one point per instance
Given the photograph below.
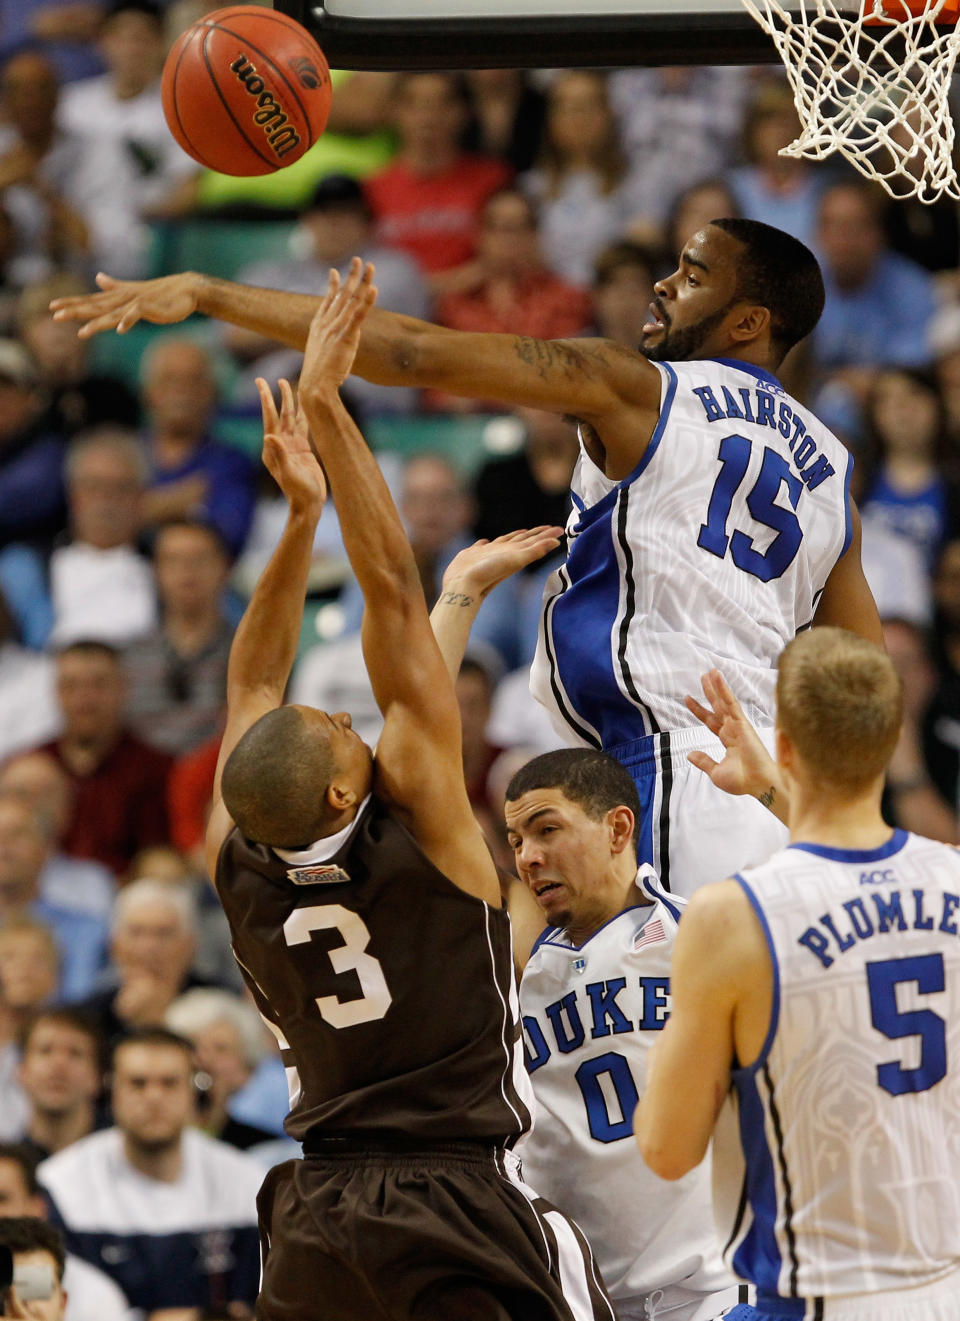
(246, 90)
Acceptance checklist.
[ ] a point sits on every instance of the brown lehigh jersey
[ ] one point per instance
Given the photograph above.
(390, 990)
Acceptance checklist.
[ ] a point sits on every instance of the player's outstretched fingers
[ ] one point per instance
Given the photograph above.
(703, 714)
(703, 763)
(268, 406)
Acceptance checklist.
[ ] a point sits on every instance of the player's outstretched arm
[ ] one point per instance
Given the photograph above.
(265, 643)
(613, 388)
(419, 761)
(472, 574)
(747, 767)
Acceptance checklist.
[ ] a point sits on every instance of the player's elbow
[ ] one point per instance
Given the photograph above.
(661, 1154)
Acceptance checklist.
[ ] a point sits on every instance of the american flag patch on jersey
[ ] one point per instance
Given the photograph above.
(318, 873)
(652, 934)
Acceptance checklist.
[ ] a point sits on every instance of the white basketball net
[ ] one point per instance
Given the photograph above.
(875, 93)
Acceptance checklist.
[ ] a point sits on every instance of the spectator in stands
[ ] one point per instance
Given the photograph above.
(118, 118)
(213, 963)
(91, 1295)
(438, 513)
(28, 706)
(32, 497)
(33, 1243)
(941, 719)
(79, 397)
(100, 583)
(193, 475)
(10, 288)
(508, 115)
(783, 191)
(915, 802)
(61, 1073)
(228, 1037)
(177, 674)
(582, 183)
(945, 350)
(906, 485)
(152, 946)
(26, 843)
(692, 210)
(879, 305)
(189, 791)
(335, 226)
(29, 973)
(427, 201)
(622, 289)
(119, 783)
(65, 30)
(38, 779)
(532, 487)
(511, 290)
(475, 687)
(165, 1210)
(675, 115)
(44, 182)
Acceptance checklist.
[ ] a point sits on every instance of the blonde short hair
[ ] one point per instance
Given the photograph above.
(840, 702)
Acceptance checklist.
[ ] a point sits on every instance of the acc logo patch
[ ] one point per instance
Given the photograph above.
(318, 873)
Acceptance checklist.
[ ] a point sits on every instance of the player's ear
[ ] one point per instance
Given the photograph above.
(749, 322)
(621, 821)
(339, 797)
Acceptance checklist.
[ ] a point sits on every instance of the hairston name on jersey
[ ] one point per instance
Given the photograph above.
(759, 407)
(834, 934)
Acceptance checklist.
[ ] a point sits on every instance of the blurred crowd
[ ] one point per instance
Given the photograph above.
(140, 1096)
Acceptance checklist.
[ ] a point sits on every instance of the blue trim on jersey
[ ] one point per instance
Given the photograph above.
(758, 1256)
(656, 891)
(750, 368)
(847, 510)
(584, 627)
(893, 845)
(659, 429)
(775, 965)
(542, 938)
(565, 944)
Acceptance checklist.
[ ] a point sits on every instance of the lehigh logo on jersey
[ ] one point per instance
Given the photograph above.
(318, 873)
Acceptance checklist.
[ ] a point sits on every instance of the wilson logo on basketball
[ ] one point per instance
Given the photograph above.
(307, 72)
(280, 133)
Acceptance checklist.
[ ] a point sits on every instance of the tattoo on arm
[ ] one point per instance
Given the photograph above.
(767, 798)
(549, 354)
(455, 598)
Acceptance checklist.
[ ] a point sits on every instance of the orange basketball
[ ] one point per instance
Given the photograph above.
(246, 90)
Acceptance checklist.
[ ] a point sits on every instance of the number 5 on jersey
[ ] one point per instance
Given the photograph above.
(351, 956)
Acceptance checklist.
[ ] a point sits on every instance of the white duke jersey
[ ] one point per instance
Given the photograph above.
(590, 1014)
(712, 552)
(845, 1175)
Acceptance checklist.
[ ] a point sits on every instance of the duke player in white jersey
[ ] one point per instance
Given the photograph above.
(594, 996)
(712, 515)
(821, 992)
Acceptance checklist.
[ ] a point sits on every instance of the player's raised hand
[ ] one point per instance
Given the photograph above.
(747, 767)
(476, 569)
(122, 303)
(335, 329)
(287, 453)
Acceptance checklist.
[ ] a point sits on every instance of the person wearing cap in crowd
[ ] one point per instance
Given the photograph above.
(335, 226)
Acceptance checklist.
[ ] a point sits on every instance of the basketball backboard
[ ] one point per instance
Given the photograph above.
(463, 34)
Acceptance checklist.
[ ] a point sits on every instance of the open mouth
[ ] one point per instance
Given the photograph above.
(656, 322)
(545, 889)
